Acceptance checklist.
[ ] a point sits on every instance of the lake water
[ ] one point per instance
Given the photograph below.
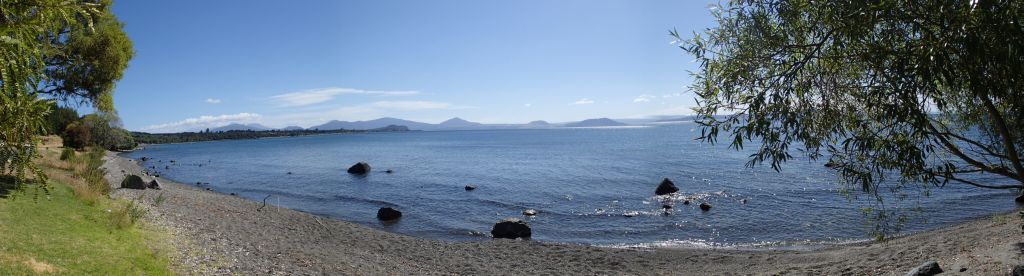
(591, 186)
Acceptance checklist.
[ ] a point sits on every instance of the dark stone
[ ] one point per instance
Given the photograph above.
(143, 158)
(167, 167)
(289, 172)
(359, 168)
(1019, 199)
(388, 213)
(156, 175)
(232, 193)
(389, 171)
(744, 201)
(470, 187)
(666, 206)
(208, 189)
(530, 212)
(831, 164)
(133, 182)
(199, 183)
(1018, 270)
(511, 228)
(666, 187)
(704, 206)
(686, 202)
(927, 269)
(153, 184)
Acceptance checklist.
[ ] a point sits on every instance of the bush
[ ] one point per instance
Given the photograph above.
(77, 136)
(126, 215)
(67, 154)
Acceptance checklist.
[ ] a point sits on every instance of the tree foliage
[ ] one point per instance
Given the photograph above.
(922, 91)
(50, 49)
(84, 64)
(59, 118)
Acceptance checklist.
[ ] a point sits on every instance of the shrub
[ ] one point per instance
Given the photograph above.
(77, 136)
(67, 154)
(126, 215)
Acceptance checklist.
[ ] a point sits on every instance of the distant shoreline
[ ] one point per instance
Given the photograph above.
(262, 240)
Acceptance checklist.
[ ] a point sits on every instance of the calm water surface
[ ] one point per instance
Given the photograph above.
(591, 186)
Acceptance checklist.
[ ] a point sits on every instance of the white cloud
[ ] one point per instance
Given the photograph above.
(527, 105)
(582, 101)
(212, 101)
(671, 95)
(643, 98)
(204, 121)
(319, 95)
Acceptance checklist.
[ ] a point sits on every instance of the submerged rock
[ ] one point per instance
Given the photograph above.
(927, 269)
(530, 212)
(359, 168)
(666, 187)
(470, 187)
(704, 206)
(511, 228)
(153, 184)
(133, 182)
(388, 213)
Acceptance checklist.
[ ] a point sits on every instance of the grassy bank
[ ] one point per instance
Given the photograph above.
(73, 227)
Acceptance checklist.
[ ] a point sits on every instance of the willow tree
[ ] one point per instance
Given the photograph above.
(53, 50)
(891, 92)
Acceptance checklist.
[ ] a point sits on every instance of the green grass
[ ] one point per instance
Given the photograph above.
(56, 232)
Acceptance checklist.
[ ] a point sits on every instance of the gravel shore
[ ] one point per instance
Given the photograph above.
(215, 233)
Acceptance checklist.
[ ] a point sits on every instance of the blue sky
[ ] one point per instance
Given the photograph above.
(208, 63)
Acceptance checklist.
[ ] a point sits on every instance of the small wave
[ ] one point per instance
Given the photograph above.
(764, 245)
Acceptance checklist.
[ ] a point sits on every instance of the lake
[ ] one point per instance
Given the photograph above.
(590, 185)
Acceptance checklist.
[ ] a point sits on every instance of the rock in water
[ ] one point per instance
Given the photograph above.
(389, 171)
(530, 212)
(666, 187)
(927, 269)
(388, 213)
(359, 168)
(1019, 199)
(133, 182)
(470, 187)
(705, 206)
(153, 184)
(511, 228)
(1018, 270)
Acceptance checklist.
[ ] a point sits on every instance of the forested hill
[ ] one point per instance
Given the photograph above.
(164, 138)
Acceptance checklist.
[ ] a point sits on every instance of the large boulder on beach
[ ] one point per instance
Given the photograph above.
(359, 168)
(388, 213)
(1018, 270)
(511, 228)
(927, 269)
(153, 184)
(666, 187)
(133, 182)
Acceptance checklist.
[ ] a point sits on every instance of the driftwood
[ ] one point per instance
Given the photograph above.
(264, 203)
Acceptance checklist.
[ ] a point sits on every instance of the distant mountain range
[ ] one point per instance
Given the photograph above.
(236, 126)
(457, 124)
(601, 122)
(395, 124)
